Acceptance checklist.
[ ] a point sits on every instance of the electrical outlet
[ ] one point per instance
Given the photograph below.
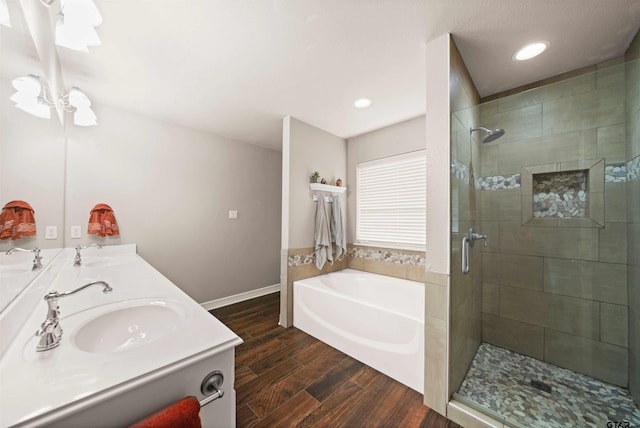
(76, 232)
(233, 214)
(51, 232)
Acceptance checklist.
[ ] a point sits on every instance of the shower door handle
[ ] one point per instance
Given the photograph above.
(467, 242)
(465, 254)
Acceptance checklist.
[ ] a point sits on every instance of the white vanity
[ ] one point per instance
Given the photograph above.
(123, 355)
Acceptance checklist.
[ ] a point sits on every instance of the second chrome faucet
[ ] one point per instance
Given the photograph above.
(77, 261)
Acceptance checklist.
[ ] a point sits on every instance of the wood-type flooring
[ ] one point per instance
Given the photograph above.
(287, 378)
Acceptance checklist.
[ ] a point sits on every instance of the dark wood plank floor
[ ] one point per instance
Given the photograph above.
(286, 378)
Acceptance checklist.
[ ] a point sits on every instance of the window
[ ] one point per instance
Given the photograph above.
(391, 207)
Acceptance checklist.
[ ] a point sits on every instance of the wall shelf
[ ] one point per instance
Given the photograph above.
(326, 188)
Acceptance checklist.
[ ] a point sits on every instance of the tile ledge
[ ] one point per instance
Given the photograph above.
(470, 418)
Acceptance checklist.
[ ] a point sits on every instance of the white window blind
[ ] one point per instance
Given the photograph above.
(392, 201)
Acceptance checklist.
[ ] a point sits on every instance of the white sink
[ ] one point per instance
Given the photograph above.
(101, 262)
(124, 326)
(9, 271)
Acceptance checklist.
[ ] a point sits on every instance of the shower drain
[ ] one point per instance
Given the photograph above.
(541, 386)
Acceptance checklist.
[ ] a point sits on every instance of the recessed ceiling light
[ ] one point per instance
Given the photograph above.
(362, 103)
(530, 51)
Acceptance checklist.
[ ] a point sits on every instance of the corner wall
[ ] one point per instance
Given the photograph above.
(437, 257)
(305, 149)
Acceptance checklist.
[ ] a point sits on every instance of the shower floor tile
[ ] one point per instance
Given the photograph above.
(501, 381)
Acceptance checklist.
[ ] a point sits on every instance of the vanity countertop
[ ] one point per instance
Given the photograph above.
(36, 386)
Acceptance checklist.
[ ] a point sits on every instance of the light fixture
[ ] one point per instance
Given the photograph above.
(5, 19)
(531, 50)
(362, 103)
(34, 97)
(29, 96)
(75, 25)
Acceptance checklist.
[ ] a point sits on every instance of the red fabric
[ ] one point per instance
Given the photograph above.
(183, 414)
(102, 221)
(16, 220)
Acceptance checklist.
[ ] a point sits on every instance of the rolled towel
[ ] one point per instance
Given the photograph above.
(102, 221)
(17, 220)
(182, 414)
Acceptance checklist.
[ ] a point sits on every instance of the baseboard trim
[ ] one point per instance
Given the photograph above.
(237, 298)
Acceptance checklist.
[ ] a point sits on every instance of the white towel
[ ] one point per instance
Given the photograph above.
(337, 230)
(322, 234)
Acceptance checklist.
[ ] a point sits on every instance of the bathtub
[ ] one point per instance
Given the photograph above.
(376, 319)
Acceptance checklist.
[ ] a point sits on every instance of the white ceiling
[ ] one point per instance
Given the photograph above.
(237, 67)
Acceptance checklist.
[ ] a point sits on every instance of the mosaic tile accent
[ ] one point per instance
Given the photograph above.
(460, 170)
(633, 169)
(615, 173)
(560, 194)
(301, 259)
(498, 182)
(386, 255)
(501, 382)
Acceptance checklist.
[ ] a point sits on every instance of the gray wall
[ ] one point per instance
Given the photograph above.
(171, 189)
(305, 149)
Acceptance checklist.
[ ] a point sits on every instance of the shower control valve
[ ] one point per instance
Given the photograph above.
(473, 237)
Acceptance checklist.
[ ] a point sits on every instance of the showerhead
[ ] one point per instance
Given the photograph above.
(492, 135)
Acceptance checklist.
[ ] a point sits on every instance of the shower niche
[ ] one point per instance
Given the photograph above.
(565, 194)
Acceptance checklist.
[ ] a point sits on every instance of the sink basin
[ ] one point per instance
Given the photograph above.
(9, 271)
(100, 262)
(124, 326)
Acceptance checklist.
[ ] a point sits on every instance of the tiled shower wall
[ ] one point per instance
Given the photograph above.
(633, 211)
(551, 291)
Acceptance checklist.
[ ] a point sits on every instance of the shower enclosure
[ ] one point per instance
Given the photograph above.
(544, 327)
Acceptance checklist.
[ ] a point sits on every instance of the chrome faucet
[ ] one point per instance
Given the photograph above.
(50, 332)
(37, 260)
(77, 261)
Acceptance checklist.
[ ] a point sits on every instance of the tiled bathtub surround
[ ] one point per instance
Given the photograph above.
(386, 255)
(560, 194)
(399, 263)
(301, 259)
(500, 381)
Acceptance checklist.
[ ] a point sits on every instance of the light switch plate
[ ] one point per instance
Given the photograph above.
(233, 214)
(76, 232)
(51, 232)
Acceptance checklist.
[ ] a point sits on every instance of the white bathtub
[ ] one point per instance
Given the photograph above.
(376, 319)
